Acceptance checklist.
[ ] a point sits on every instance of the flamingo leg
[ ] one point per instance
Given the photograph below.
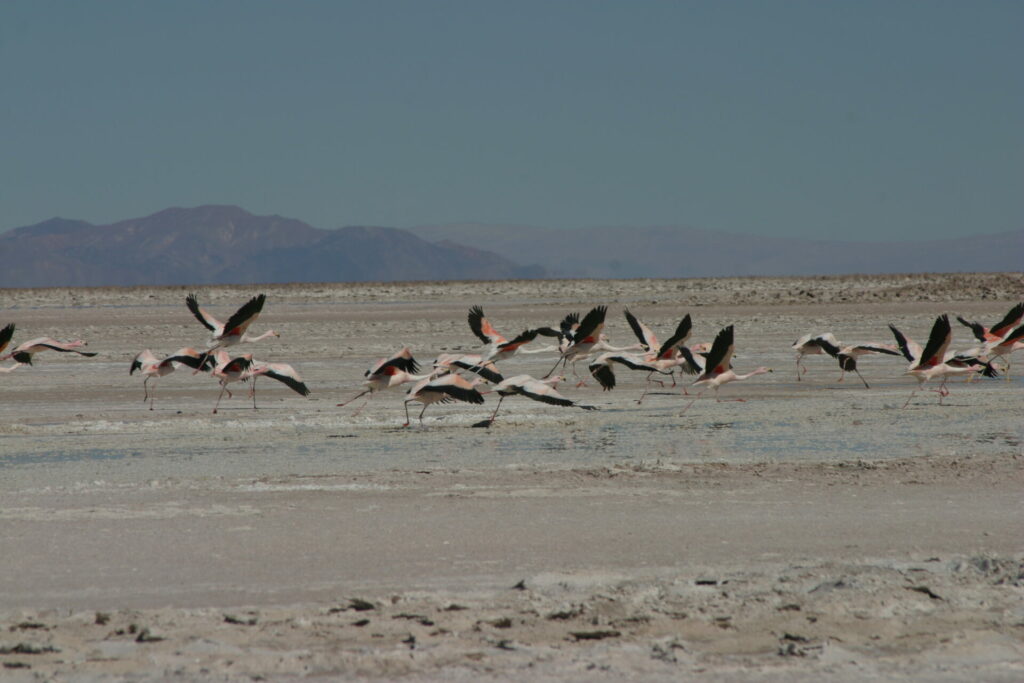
(406, 413)
(361, 393)
(691, 403)
(561, 360)
(421, 413)
(911, 396)
(152, 394)
(495, 413)
(252, 392)
(223, 388)
(358, 410)
(145, 389)
(862, 379)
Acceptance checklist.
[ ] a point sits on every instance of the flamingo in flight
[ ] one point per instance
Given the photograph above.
(664, 356)
(813, 345)
(1005, 346)
(235, 330)
(243, 368)
(24, 352)
(602, 370)
(444, 389)
(845, 354)
(542, 390)
(397, 369)
(1000, 329)
(5, 339)
(933, 360)
(586, 339)
(153, 368)
(498, 347)
(718, 367)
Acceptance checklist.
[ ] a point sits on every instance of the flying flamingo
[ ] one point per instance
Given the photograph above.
(23, 352)
(717, 367)
(1000, 329)
(1005, 346)
(498, 347)
(444, 389)
(542, 390)
(933, 361)
(387, 373)
(235, 330)
(601, 368)
(813, 345)
(583, 337)
(663, 355)
(151, 367)
(243, 368)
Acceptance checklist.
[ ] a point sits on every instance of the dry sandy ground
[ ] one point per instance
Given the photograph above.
(815, 531)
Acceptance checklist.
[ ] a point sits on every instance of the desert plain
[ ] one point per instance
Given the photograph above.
(817, 530)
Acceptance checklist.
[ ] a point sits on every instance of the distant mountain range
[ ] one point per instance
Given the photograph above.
(226, 244)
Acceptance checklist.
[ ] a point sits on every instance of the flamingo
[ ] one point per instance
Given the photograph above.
(397, 369)
(662, 355)
(848, 355)
(933, 361)
(235, 330)
(444, 389)
(813, 345)
(1000, 329)
(542, 390)
(584, 337)
(717, 367)
(498, 347)
(23, 352)
(151, 367)
(1005, 346)
(601, 368)
(243, 368)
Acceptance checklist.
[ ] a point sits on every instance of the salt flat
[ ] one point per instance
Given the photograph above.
(816, 529)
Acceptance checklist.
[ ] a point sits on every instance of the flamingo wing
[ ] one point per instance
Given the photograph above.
(240, 320)
(938, 341)
(287, 375)
(5, 336)
(141, 359)
(591, 324)
(482, 327)
(681, 334)
(207, 320)
(488, 370)
(692, 366)
(538, 391)
(191, 358)
(1013, 317)
(720, 355)
(524, 337)
(910, 350)
(455, 388)
(642, 332)
(875, 348)
(603, 373)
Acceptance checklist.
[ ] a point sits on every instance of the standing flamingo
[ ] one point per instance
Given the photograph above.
(718, 366)
(444, 389)
(933, 361)
(151, 367)
(387, 373)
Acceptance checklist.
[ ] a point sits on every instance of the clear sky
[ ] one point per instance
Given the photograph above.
(844, 120)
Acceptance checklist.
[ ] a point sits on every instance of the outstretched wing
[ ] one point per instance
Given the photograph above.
(207, 320)
(909, 349)
(591, 325)
(5, 336)
(1009, 320)
(482, 327)
(938, 341)
(720, 355)
(977, 329)
(239, 322)
(604, 374)
(287, 375)
(681, 334)
(642, 332)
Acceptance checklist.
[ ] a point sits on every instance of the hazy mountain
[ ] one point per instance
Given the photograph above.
(226, 244)
(688, 252)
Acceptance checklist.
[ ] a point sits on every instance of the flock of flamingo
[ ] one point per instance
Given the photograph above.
(467, 377)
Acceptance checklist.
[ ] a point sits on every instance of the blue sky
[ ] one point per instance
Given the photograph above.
(840, 120)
